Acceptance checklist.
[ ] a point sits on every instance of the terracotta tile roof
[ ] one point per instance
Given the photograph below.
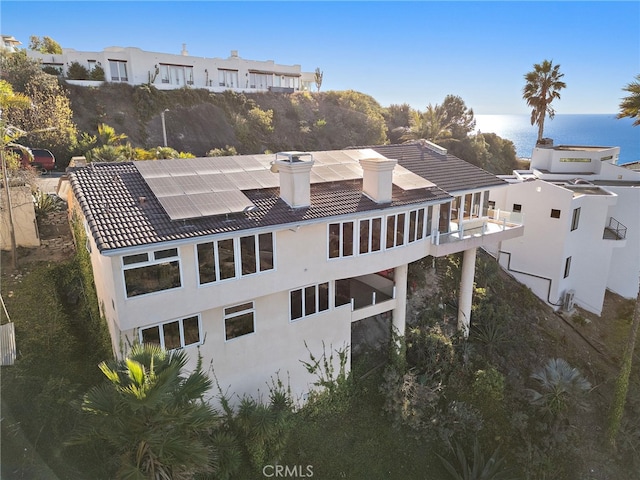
(448, 172)
(123, 212)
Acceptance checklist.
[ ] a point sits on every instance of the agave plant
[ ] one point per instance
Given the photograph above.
(560, 386)
(478, 467)
(44, 204)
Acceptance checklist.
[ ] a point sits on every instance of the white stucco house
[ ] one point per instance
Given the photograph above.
(250, 260)
(583, 226)
(167, 71)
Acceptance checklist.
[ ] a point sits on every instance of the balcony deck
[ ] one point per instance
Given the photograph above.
(478, 232)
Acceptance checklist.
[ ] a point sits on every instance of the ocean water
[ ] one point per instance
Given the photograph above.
(597, 130)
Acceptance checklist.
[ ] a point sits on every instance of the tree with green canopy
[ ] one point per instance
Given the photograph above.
(44, 45)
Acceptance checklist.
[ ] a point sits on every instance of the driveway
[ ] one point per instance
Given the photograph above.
(49, 183)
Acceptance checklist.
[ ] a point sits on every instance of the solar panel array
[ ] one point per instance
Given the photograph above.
(200, 187)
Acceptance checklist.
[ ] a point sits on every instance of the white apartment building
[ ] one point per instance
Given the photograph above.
(251, 260)
(583, 226)
(167, 71)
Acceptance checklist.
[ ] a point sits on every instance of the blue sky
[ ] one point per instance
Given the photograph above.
(413, 52)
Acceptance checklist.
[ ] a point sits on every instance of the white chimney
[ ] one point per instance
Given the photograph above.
(184, 50)
(295, 177)
(234, 53)
(377, 178)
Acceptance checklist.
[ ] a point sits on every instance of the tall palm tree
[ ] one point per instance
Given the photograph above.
(152, 416)
(630, 105)
(543, 87)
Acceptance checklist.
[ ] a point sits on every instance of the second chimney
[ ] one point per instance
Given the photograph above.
(377, 178)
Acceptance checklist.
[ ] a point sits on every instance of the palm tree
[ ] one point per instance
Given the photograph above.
(543, 87)
(152, 416)
(630, 105)
(432, 124)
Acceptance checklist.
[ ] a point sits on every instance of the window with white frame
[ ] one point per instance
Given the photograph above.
(228, 78)
(239, 320)
(118, 70)
(341, 239)
(395, 230)
(151, 272)
(174, 334)
(260, 80)
(235, 257)
(370, 235)
(310, 300)
(180, 75)
(374, 234)
(419, 221)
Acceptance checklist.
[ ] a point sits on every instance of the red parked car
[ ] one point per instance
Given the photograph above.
(43, 159)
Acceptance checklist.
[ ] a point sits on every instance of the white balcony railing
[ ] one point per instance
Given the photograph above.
(498, 221)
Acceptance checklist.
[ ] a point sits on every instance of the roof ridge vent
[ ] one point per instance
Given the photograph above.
(432, 146)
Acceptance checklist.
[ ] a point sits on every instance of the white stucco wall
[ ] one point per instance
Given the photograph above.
(625, 260)
(24, 219)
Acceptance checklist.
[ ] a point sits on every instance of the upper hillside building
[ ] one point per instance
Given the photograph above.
(250, 260)
(583, 226)
(9, 43)
(167, 71)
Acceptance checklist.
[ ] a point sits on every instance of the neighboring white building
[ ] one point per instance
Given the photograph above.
(167, 71)
(249, 260)
(9, 43)
(583, 226)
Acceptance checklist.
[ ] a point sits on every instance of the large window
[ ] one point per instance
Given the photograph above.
(174, 334)
(151, 272)
(228, 78)
(341, 236)
(176, 74)
(395, 230)
(231, 258)
(239, 320)
(419, 223)
(309, 300)
(260, 80)
(370, 235)
(118, 70)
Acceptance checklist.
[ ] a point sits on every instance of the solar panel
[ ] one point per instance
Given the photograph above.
(407, 180)
(150, 169)
(179, 207)
(217, 183)
(243, 180)
(163, 186)
(234, 200)
(191, 184)
(204, 166)
(266, 178)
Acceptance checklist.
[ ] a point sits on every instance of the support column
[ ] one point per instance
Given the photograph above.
(466, 290)
(399, 314)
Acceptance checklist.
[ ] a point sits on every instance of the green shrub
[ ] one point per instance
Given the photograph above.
(76, 71)
(97, 74)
